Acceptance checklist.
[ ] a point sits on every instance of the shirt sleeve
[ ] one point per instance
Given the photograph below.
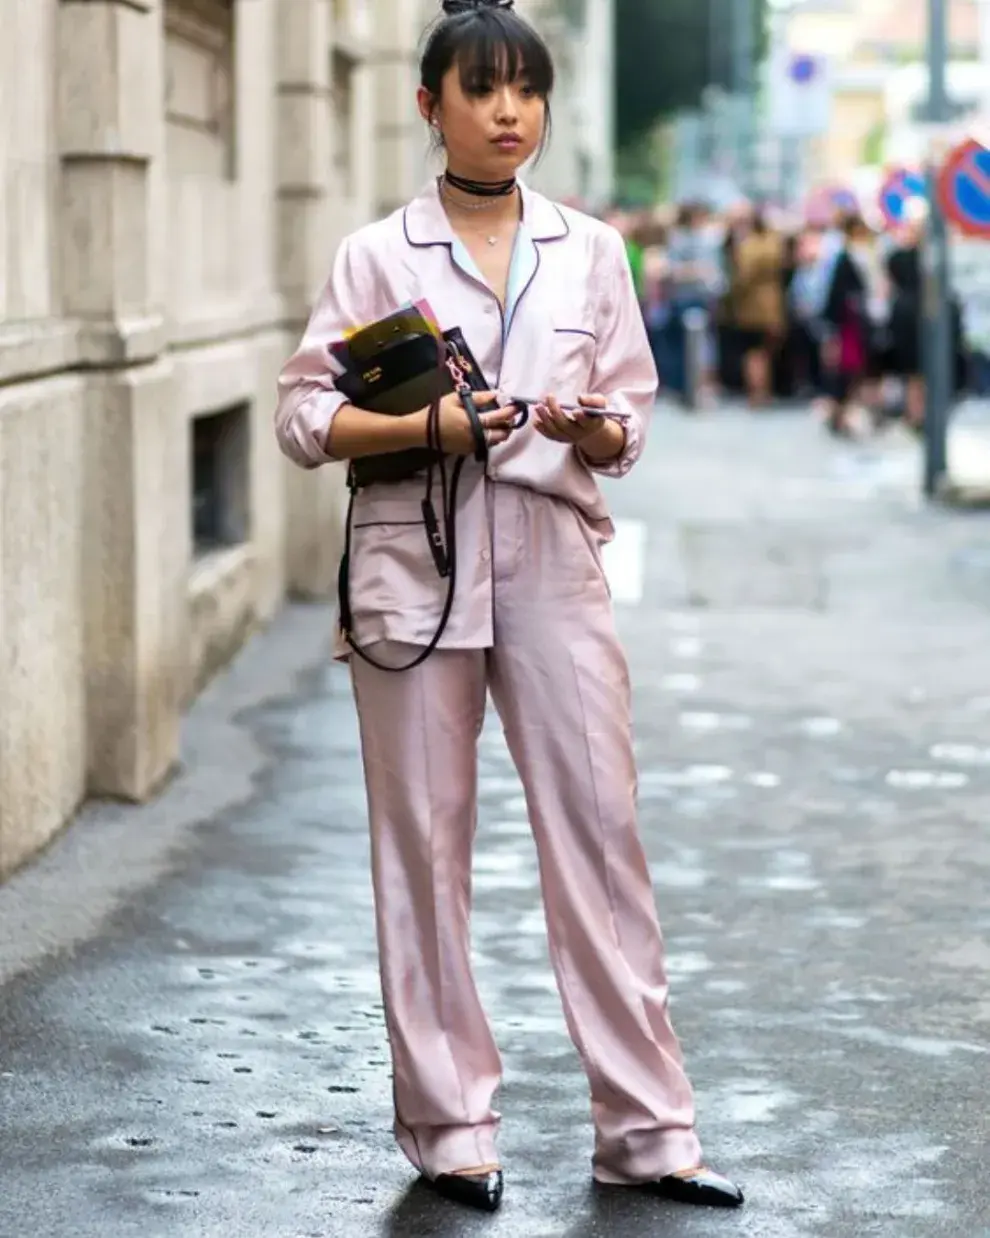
(624, 371)
(308, 401)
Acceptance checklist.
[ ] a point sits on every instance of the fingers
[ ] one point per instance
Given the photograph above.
(592, 401)
(498, 416)
(554, 423)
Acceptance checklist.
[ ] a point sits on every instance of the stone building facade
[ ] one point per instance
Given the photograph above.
(176, 175)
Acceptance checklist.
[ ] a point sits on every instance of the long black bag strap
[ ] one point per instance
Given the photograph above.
(444, 550)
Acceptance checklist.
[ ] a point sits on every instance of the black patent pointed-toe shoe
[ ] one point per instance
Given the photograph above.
(703, 1187)
(481, 1191)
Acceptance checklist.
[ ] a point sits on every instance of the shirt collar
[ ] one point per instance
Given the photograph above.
(425, 221)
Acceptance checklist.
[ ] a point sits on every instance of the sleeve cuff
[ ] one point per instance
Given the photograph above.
(619, 465)
(306, 428)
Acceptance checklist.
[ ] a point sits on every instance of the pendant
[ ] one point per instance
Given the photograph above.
(492, 240)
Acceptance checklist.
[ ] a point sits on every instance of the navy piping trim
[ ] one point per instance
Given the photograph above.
(540, 240)
(418, 244)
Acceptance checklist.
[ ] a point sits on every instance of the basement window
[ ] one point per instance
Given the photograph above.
(219, 444)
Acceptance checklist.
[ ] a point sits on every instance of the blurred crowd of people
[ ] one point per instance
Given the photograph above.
(777, 311)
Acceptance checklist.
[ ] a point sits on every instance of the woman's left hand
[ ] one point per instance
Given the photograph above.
(550, 420)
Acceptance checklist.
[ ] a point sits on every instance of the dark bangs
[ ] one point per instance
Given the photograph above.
(490, 46)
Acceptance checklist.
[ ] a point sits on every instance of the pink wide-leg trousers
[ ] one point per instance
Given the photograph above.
(559, 681)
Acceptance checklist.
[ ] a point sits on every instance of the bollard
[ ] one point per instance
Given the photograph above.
(695, 354)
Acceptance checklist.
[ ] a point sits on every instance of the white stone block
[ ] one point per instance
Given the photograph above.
(305, 142)
(42, 714)
(105, 223)
(135, 557)
(108, 102)
(302, 43)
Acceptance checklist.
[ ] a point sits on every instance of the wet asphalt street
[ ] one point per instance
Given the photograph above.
(191, 1038)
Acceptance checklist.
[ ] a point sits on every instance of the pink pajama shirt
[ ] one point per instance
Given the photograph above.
(532, 625)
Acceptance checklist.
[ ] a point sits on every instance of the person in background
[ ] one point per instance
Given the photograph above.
(804, 302)
(652, 237)
(867, 249)
(695, 282)
(904, 358)
(758, 301)
(906, 323)
(846, 328)
(738, 223)
(784, 359)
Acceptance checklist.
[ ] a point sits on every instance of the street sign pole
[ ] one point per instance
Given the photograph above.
(938, 345)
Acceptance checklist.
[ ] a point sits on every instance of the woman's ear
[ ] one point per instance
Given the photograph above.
(427, 105)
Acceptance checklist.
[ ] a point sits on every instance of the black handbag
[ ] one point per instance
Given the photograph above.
(397, 371)
(403, 372)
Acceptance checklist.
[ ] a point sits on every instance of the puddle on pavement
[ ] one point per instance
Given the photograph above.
(960, 754)
(925, 779)
(699, 721)
(755, 1101)
(677, 875)
(680, 683)
(820, 727)
(687, 963)
(763, 778)
(689, 776)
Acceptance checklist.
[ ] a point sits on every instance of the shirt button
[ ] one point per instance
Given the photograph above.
(485, 556)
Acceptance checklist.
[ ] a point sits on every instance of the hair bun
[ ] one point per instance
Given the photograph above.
(454, 7)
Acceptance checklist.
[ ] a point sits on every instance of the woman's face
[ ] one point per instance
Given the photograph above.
(489, 128)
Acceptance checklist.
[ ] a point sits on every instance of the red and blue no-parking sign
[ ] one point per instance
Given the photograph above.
(899, 187)
(964, 189)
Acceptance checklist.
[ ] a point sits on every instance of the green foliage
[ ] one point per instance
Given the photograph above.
(874, 144)
(641, 171)
(668, 51)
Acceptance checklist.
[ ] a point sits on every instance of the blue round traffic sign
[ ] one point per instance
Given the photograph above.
(964, 188)
(803, 69)
(900, 187)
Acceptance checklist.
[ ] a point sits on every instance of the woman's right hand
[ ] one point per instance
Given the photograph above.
(456, 435)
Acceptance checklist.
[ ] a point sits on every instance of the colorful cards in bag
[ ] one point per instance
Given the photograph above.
(361, 343)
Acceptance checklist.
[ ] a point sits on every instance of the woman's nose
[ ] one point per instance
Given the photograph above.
(506, 103)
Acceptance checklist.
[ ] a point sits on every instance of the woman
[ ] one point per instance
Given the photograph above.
(804, 296)
(655, 296)
(758, 297)
(846, 357)
(904, 271)
(695, 277)
(546, 302)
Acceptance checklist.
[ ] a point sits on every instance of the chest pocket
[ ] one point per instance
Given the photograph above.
(574, 347)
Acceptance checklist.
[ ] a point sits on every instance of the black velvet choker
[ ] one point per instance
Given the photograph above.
(480, 189)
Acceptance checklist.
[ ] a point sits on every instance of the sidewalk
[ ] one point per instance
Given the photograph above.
(191, 1039)
(969, 451)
